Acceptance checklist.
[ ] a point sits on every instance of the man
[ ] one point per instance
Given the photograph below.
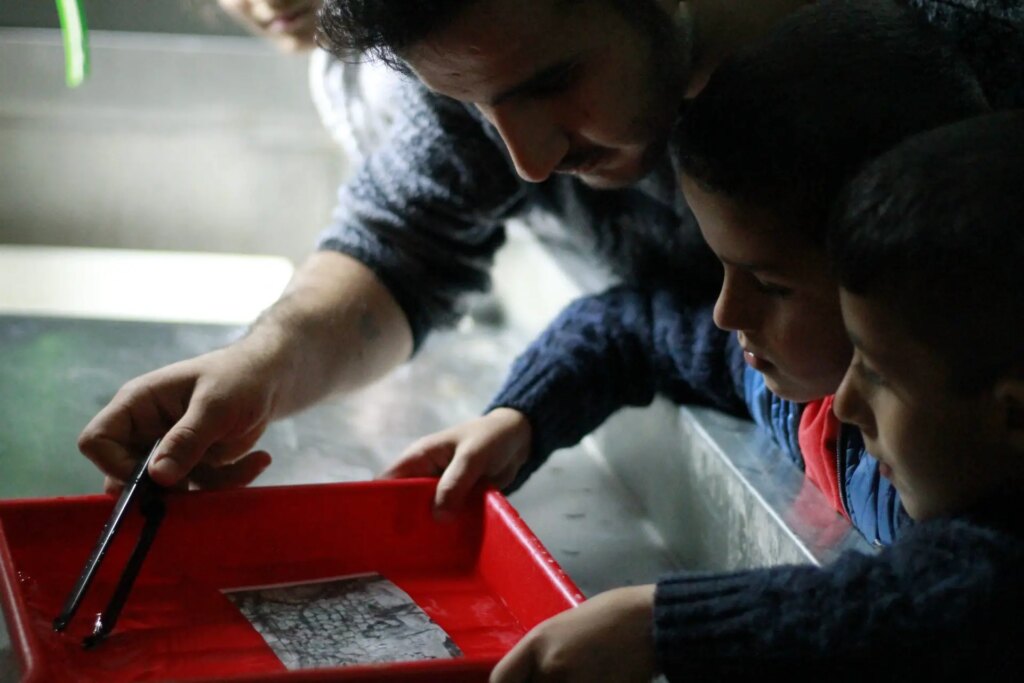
(561, 105)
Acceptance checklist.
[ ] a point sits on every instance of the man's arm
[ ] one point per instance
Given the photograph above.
(426, 211)
(335, 327)
(415, 230)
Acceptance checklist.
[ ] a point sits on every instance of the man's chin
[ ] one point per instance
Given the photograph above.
(599, 181)
(612, 178)
(615, 176)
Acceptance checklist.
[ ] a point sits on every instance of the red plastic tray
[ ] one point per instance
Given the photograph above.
(483, 577)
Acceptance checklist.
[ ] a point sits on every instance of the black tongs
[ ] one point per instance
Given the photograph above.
(139, 490)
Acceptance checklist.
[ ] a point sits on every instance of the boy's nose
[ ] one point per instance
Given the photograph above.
(535, 143)
(848, 405)
(732, 309)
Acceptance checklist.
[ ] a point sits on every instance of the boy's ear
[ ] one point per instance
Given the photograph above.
(1009, 396)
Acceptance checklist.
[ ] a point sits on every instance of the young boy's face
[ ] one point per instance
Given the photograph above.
(777, 295)
(939, 448)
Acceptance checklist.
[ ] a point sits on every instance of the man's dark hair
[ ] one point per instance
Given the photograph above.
(383, 29)
(786, 122)
(934, 230)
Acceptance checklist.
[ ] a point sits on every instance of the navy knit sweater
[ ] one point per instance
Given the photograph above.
(943, 603)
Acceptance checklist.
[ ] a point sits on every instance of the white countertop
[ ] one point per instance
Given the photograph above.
(126, 284)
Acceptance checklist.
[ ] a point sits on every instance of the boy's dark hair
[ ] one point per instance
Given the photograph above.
(383, 29)
(786, 122)
(935, 230)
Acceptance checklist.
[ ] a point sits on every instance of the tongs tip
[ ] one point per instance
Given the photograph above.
(147, 494)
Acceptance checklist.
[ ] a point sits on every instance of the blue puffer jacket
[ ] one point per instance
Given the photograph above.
(870, 500)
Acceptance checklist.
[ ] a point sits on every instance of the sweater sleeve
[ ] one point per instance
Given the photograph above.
(619, 349)
(425, 212)
(990, 36)
(938, 597)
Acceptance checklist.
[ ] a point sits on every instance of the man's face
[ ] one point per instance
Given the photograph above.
(937, 447)
(572, 87)
(777, 295)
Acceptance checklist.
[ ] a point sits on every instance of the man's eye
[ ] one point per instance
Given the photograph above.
(557, 82)
(771, 289)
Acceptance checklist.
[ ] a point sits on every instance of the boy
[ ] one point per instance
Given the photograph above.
(927, 246)
(765, 149)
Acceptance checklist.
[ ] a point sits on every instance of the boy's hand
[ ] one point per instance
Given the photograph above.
(608, 638)
(494, 447)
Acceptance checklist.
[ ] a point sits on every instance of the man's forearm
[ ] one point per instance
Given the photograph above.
(335, 327)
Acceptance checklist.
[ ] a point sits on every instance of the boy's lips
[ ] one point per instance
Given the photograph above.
(884, 468)
(756, 362)
(753, 357)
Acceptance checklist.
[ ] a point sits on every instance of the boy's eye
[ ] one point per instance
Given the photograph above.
(869, 375)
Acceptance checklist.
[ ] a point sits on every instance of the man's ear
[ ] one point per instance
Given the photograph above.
(1009, 396)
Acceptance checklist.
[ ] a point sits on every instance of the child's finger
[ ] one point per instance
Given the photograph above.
(516, 666)
(506, 476)
(429, 462)
(458, 480)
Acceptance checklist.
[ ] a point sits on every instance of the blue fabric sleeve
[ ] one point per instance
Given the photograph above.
(871, 500)
(616, 349)
(779, 418)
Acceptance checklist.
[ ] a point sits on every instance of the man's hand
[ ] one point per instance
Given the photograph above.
(491, 447)
(335, 327)
(608, 638)
(213, 409)
(288, 24)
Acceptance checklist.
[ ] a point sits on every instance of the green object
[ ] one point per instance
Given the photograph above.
(76, 41)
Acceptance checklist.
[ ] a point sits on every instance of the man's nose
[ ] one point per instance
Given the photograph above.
(535, 142)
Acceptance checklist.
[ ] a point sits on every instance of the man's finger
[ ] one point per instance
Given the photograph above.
(185, 443)
(236, 475)
(112, 487)
(107, 441)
